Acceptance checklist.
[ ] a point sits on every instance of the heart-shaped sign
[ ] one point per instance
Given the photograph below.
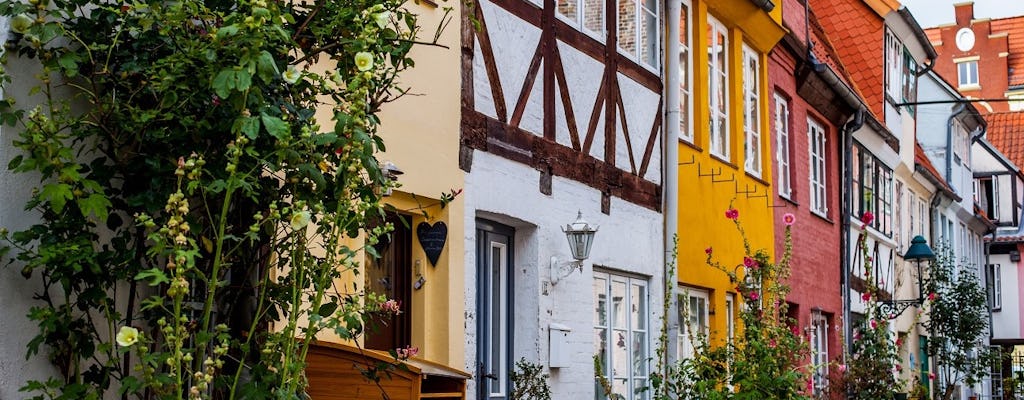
(432, 238)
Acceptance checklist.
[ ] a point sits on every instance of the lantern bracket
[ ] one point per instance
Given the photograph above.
(562, 270)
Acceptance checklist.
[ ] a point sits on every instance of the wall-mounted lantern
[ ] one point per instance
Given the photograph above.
(581, 237)
(390, 171)
(920, 253)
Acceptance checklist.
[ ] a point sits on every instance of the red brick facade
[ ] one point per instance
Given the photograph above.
(816, 270)
(991, 49)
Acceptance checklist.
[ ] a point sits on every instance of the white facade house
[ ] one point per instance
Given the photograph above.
(552, 128)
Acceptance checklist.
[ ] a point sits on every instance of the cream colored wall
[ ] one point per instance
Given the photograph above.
(421, 137)
(421, 134)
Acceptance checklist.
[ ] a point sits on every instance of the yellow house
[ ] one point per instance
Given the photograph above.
(724, 153)
(421, 136)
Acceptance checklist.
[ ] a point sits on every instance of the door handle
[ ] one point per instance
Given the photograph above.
(491, 376)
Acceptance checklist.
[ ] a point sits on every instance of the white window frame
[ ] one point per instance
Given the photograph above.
(637, 368)
(997, 286)
(686, 77)
(819, 353)
(893, 66)
(640, 11)
(579, 19)
(752, 111)
(684, 297)
(730, 316)
(782, 147)
(817, 175)
(719, 135)
(964, 77)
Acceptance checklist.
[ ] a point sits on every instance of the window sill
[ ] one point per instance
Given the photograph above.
(789, 199)
(757, 179)
(822, 216)
(690, 144)
(968, 87)
(722, 159)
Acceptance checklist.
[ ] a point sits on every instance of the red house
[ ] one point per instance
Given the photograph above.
(811, 102)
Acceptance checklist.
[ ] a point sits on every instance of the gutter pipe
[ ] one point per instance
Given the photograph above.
(766, 5)
(670, 172)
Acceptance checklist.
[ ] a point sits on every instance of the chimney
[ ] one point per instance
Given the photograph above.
(964, 13)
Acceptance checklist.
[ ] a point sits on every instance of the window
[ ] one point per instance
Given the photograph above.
(620, 329)
(752, 110)
(872, 189)
(987, 195)
(901, 71)
(819, 353)
(898, 229)
(922, 213)
(730, 316)
(784, 180)
(1017, 103)
(718, 76)
(638, 30)
(692, 307)
(816, 142)
(591, 12)
(996, 291)
(967, 73)
(685, 55)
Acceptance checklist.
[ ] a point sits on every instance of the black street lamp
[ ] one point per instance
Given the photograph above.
(920, 253)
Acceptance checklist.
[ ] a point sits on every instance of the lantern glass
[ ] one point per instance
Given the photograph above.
(581, 236)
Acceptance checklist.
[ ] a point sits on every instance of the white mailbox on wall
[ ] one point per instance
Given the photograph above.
(558, 345)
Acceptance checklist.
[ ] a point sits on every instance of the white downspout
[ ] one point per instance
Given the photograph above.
(670, 168)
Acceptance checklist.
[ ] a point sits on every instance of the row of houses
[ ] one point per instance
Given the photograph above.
(646, 121)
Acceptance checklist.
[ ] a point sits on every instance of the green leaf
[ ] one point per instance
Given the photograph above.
(327, 309)
(226, 31)
(69, 61)
(230, 79)
(153, 276)
(15, 162)
(250, 126)
(275, 126)
(266, 67)
(57, 194)
(96, 204)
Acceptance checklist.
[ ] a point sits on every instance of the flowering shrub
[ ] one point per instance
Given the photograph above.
(191, 201)
(873, 360)
(764, 360)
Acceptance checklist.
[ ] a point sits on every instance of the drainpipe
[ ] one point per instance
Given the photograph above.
(670, 171)
(847, 131)
(949, 140)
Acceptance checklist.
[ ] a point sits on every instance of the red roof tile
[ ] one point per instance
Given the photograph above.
(1014, 26)
(856, 33)
(1006, 133)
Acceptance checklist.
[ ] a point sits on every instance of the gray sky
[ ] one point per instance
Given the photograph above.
(930, 13)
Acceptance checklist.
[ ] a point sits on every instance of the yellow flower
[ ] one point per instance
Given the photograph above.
(300, 220)
(127, 336)
(364, 61)
(291, 75)
(21, 22)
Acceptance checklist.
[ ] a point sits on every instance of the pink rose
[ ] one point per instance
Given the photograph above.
(391, 306)
(865, 296)
(732, 214)
(788, 219)
(754, 296)
(867, 218)
(707, 250)
(932, 296)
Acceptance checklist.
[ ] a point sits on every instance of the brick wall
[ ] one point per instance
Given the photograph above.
(992, 68)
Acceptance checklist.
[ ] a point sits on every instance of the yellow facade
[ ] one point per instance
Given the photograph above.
(708, 185)
(421, 136)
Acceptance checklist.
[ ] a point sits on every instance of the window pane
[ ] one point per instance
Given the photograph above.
(601, 343)
(593, 15)
(568, 8)
(639, 354)
(620, 353)
(600, 302)
(639, 307)
(627, 26)
(618, 304)
(649, 34)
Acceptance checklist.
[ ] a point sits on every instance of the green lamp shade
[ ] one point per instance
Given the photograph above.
(919, 250)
